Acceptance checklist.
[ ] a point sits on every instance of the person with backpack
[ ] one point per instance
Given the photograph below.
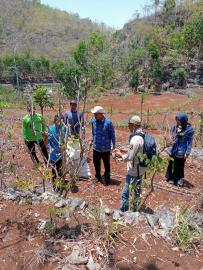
(73, 119)
(56, 132)
(182, 136)
(34, 132)
(141, 144)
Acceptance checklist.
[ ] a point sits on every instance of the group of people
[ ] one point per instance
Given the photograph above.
(104, 144)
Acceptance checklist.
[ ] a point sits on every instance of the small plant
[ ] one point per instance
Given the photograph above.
(185, 232)
(24, 184)
(50, 228)
(38, 258)
(133, 202)
(42, 98)
(112, 230)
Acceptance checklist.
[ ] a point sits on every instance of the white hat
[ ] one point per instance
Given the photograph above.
(97, 109)
(135, 119)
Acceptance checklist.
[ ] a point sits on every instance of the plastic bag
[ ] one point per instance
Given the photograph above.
(73, 153)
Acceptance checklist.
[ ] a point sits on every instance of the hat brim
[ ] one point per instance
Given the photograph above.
(93, 111)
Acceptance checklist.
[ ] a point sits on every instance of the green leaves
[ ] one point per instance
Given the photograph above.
(169, 5)
(42, 98)
(193, 32)
(90, 61)
(180, 75)
(185, 232)
(135, 79)
(153, 51)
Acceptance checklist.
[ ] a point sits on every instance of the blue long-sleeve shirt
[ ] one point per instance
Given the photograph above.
(74, 119)
(53, 142)
(103, 135)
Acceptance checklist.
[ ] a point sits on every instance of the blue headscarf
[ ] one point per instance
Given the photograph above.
(182, 117)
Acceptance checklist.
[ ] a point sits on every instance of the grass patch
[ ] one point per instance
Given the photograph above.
(185, 231)
(11, 98)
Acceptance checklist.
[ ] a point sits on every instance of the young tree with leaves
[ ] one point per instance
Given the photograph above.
(42, 98)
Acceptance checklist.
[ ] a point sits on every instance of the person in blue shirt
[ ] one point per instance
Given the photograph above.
(182, 137)
(73, 119)
(103, 138)
(56, 133)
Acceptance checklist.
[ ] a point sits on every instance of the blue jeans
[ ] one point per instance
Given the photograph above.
(136, 187)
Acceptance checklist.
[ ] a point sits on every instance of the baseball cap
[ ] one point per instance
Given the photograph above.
(97, 109)
(135, 119)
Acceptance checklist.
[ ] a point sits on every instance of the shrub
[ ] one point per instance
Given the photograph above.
(134, 83)
(180, 76)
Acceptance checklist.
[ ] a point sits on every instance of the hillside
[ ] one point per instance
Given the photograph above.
(28, 26)
(169, 39)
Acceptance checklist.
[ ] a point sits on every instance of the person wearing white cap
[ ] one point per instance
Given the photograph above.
(134, 170)
(103, 138)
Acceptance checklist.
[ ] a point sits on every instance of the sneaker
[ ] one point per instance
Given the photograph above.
(180, 183)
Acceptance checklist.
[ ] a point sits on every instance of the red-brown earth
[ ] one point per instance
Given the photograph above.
(154, 253)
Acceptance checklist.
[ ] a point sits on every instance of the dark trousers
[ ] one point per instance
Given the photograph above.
(175, 169)
(105, 157)
(56, 170)
(31, 148)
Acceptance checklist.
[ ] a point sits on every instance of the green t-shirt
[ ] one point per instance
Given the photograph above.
(39, 126)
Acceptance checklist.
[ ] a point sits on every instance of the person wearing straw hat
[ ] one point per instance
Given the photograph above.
(103, 139)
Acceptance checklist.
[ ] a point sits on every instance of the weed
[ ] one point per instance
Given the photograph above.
(185, 232)
(50, 228)
(38, 258)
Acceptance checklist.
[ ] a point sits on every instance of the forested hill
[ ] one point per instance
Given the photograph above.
(164, 44)
(29, 26)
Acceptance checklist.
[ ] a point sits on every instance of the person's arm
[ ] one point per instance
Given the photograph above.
(44, 131)
(112, 135)
(133, 149)
(24, 128)
(189, 145)
(44, 127)
(173, 133)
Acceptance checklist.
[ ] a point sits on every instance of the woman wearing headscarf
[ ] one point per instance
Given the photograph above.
(182, 137)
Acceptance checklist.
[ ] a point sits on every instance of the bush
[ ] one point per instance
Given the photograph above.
(153, 51)
(193, 33)
(134, 83)
(180, 76)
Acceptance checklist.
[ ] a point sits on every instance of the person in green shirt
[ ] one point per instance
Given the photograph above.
(34, 129)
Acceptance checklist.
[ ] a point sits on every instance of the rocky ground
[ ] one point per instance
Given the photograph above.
(89, 228)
